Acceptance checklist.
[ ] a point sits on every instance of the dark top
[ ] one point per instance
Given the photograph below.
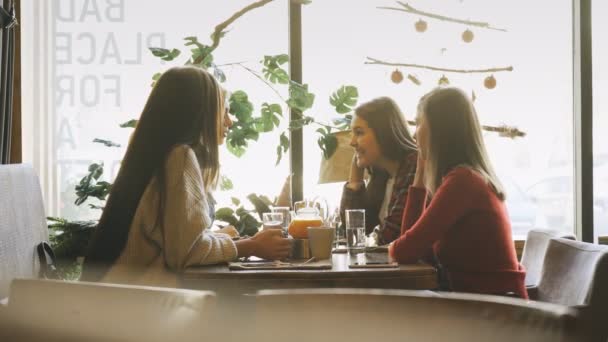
(370, 198)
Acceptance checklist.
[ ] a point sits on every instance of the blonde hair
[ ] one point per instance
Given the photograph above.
(455, 138)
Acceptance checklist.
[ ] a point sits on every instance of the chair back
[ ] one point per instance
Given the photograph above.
(363, 315)
(533, 255)
(575, 273)
(112, 312)
(22, 224)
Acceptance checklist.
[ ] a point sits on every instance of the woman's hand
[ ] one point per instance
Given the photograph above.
(355, 179)
(271, 245)
(419, 177)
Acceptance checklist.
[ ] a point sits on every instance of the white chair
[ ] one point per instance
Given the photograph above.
(366, 315)
(111, 312)
(575, 273)
(535, 248)
(22, 224)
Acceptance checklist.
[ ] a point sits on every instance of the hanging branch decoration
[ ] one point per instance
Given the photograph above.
(220, 29)
(409, 9)
(375, 61)
(502, 130)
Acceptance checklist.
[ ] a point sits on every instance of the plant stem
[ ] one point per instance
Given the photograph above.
(254, 73)
(434, 68)
(409, 9)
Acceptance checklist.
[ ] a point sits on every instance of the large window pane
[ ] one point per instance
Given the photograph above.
(600, 119)
(96, 73)
(536, 97)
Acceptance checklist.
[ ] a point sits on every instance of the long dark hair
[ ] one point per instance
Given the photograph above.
(384, 117)
(183, 109)
(455, 138)
(387, 121)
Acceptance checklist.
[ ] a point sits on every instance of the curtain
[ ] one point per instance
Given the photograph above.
(7, 35)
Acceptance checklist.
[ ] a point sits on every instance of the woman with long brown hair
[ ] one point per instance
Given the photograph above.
(384, 146)
(465, 226)
(155, 221)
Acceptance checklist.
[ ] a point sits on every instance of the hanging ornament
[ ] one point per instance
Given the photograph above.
(490, 82)
(414, 79)
(397, 76)
(421, 25)
(443, 81)
(467, 36)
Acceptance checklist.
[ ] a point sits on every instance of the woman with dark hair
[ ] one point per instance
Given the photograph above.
(384, 146)
(465, 222)
(156, 218)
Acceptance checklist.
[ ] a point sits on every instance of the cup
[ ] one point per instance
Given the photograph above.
(321, 240)
(286, 215)
(355, 230)
(272, 220)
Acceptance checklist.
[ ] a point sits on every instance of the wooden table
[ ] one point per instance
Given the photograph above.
(220, 279)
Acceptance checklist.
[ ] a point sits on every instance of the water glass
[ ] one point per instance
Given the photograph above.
(286, 215)
(355, 230)
(272, 220)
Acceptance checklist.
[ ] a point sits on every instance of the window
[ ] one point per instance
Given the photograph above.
(88, 69)
(536, 97)
(83, 79)
(600, 120)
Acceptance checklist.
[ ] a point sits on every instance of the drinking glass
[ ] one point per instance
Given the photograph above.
(286, 215)
(355, 230)
(272, 220)
(335, 221)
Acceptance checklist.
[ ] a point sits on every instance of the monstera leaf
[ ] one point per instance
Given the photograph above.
(344, 99)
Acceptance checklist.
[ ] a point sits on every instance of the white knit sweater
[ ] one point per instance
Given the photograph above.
(154, 253)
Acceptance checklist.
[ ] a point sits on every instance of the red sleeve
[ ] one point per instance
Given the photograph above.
(413, 207)
(454, 198)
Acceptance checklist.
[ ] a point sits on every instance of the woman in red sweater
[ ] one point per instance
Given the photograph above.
(464, 226)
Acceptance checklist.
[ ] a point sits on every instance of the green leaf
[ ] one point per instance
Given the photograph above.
(259, 204)
(299, 97)
(342, 124)
(165, 54)
(223, 212)
(235, 201)
(237, 150)
(269, 119)
(282, 148)
(90, 186)
(201, 55)
(272, 69)
(226, 215)
(277, 75)
(219, 74)
(226, 183)
(275, 61)
(130, 124)
(327, 142)
(344, 99)
(240, 106)
(299, 123)
(108, 143)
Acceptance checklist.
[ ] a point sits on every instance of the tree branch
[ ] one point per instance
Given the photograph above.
(216, 36)
(409, 9)
(429, 67)
(217, 33)
(503, 130)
